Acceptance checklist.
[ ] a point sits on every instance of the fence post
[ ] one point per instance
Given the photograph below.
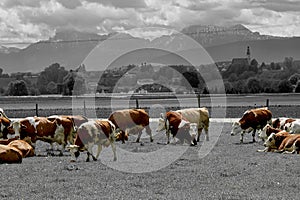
(136, 103)
(198, 97)
(37, 109)
(84, 108)
(267, 103)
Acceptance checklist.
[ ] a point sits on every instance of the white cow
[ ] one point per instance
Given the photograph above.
(293, 127)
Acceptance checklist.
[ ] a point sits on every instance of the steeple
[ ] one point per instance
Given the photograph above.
(248, 55)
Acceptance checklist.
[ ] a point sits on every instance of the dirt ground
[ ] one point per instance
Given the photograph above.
(229, 171)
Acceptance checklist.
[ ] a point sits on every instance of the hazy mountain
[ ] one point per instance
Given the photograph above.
(70, 48)
(7, 50)
(209, 35)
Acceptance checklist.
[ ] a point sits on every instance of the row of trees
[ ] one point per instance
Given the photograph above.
(54, 79)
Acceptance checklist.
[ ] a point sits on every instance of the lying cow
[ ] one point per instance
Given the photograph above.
(10, 154)
(95, 132)
(293, 127)
(281, 122)
(24, 147)
(266, 132)
(130, 121)
(251, 121)
(282, 142)
(200, 116)
(39, 128)
(174, 123)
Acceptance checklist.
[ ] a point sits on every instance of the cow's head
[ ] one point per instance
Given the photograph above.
(163, 123)
(74, 151)
(15, 128)
(236, 128)
(271, 141)
(263, 134)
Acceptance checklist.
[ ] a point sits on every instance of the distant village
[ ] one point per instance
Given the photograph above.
(240, 75)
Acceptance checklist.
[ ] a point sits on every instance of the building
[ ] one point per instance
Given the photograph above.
(243, 61)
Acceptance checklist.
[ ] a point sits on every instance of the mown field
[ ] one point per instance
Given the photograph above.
(230, 170)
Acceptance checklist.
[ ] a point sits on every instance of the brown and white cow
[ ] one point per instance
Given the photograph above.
(251, 121)
(281, 122)
(39, 128)
(282, 142)
(200, 116)
(91, 133)
(68, 124)
(131, 121)
(266, 132)
(10, 154)
(24, 147)
(177, 126)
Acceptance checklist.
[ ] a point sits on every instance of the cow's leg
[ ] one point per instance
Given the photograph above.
(199, 134)
(88, 157)
(206, 134)
(148, 131)
(168, 136)
(114, 149)
(242, 137)
(99, 149)
(253, 135)
(139, 136)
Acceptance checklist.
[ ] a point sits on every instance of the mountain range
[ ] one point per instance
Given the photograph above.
(70, 48)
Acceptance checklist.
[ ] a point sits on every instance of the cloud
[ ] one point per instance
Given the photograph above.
(39, 19)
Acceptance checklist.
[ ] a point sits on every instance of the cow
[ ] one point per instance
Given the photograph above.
(131, 121)
(69, 125)
(293, 127)
(177, 126)
(251, 121)
(39, 128)
(200, 116)
(91, 133)
(281, 121)
(266, 132)
(10, 154)
(24, 147)
(282, 142)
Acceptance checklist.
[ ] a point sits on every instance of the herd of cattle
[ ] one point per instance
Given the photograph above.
(77, 133)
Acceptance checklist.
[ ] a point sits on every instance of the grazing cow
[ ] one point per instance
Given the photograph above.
(131, 121)
(281, 121)
(282, 142)
(200, 116)
(176, 125)
(267, 130)
(24, 147)
(251, 120)
(95, 132)
(39, 128)
(10, 154)
(293, 127)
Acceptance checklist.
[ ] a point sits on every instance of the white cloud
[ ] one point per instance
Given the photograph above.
(32, 20)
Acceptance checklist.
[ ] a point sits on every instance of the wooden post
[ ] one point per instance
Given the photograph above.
(136, 103)
(198, 97)
(37, 109)
(84, 108)
(267, 103)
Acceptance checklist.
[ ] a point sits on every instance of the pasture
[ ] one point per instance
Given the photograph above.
(229, 171)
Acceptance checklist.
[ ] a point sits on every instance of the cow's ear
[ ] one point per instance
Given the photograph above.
(23, 126)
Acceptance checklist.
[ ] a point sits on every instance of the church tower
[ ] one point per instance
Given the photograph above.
(248, 55)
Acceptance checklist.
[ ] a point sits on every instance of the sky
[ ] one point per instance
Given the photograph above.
(27, 21)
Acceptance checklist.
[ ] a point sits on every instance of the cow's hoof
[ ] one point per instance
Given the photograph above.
(142, 144)
(151, 140)
(115, 159)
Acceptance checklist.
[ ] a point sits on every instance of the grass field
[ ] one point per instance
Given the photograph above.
(229, 171)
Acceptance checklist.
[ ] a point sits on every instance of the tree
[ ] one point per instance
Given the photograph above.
(285, 86)
(192, 78)
(54, 73)
(297, 89)
(17, 88)
(253, 85)
(294, 79)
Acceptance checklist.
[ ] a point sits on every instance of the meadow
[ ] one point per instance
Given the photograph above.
(230, 170)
